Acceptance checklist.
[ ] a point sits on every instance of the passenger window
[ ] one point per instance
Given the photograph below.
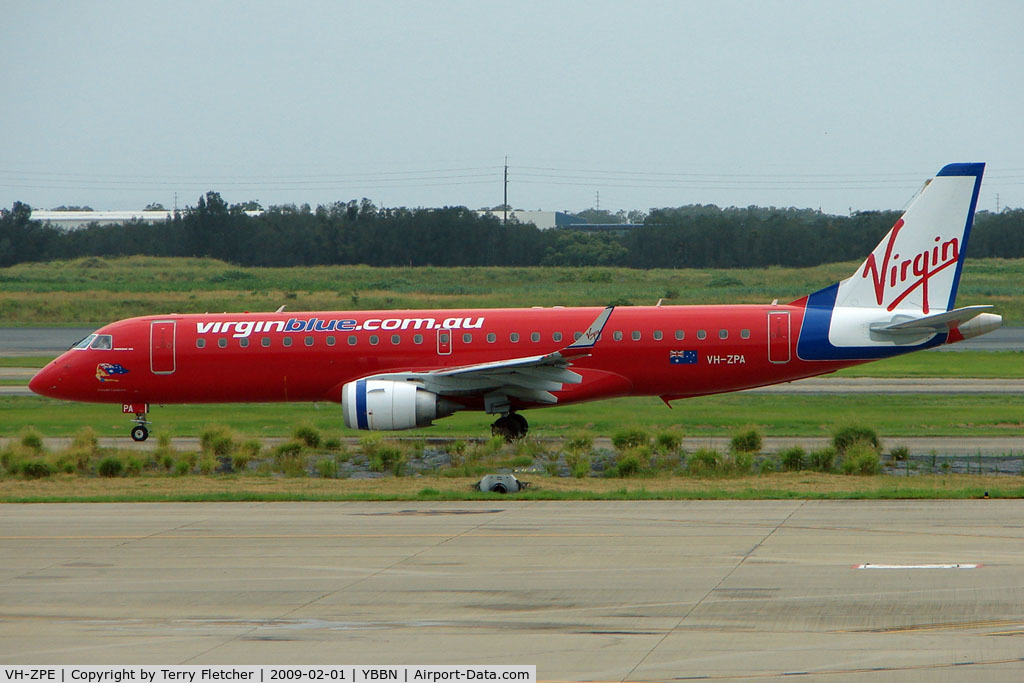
(103, 342)
(557, 336)
(331, 340)
(287, 341)
(309, 341)
(222, 343)
(417, 339)
(636, 335)
(745, 334)
(657, 335)
(617, 335)
(723, 334)
(576, 336)
(702, 334)
(467, 338)
(395, 339)
(491, 338)
(352, 340)
(374, 340)
(244, 342)
(265, 341)
(200, 343)
(680, 335)
(535, 336)
(514, 337)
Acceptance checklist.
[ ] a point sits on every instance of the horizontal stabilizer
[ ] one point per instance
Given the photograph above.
(940, 322)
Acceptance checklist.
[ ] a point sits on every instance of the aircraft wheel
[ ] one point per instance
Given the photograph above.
(521, 425)
(512, 427)
(501, 427)
(140, 433)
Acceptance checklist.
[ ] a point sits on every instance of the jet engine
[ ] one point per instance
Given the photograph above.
(376, 404)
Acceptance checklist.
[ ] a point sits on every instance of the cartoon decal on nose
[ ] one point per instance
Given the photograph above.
(107, 372)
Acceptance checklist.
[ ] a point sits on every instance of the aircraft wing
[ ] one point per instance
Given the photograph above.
(531, 378)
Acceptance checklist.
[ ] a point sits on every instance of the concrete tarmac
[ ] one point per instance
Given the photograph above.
(595, 591)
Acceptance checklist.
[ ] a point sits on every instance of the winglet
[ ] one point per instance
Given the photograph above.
(589, 337)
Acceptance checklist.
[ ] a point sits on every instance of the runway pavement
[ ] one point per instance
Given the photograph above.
(605, 591)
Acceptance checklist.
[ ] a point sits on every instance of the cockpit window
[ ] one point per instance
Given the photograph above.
(103, 342)
(84, 343)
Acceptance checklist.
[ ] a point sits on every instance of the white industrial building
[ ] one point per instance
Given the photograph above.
(72, 220)
(545, 220)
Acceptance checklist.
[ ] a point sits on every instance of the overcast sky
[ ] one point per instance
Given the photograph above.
(832, 105)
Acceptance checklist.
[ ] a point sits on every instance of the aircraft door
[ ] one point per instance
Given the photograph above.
(778, 337)
(161, 347)
(444, 342)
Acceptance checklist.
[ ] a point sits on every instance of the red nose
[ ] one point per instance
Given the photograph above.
(47, 382)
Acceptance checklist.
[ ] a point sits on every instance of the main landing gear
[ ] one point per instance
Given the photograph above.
(139, 432)
(512, 427)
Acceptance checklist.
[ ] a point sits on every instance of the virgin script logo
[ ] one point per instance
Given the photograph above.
(901, 277)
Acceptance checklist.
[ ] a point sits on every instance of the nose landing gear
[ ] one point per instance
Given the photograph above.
(139, 432)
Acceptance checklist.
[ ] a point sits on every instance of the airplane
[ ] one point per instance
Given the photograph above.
(403, 369)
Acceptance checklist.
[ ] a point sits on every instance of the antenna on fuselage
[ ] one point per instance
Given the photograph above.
(280, 309)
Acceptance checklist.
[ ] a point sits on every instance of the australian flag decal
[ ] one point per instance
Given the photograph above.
(106, 372)
(682, 357)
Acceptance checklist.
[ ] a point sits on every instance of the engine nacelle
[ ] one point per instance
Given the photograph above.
(377, 404)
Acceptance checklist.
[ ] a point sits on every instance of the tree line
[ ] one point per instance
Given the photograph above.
(357, 232)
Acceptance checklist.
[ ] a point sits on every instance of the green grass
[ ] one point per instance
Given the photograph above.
(91, 290)
(980, 364)
(722, 415)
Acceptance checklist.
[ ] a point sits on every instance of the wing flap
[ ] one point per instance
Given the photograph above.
(531, 379)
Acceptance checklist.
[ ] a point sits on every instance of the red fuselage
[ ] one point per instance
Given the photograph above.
(669, 351)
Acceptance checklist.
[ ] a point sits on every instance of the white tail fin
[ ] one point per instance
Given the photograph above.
(902, 296)
(916, 268)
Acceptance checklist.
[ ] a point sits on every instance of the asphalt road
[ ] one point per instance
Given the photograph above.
(608, 591)
(40, 341)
